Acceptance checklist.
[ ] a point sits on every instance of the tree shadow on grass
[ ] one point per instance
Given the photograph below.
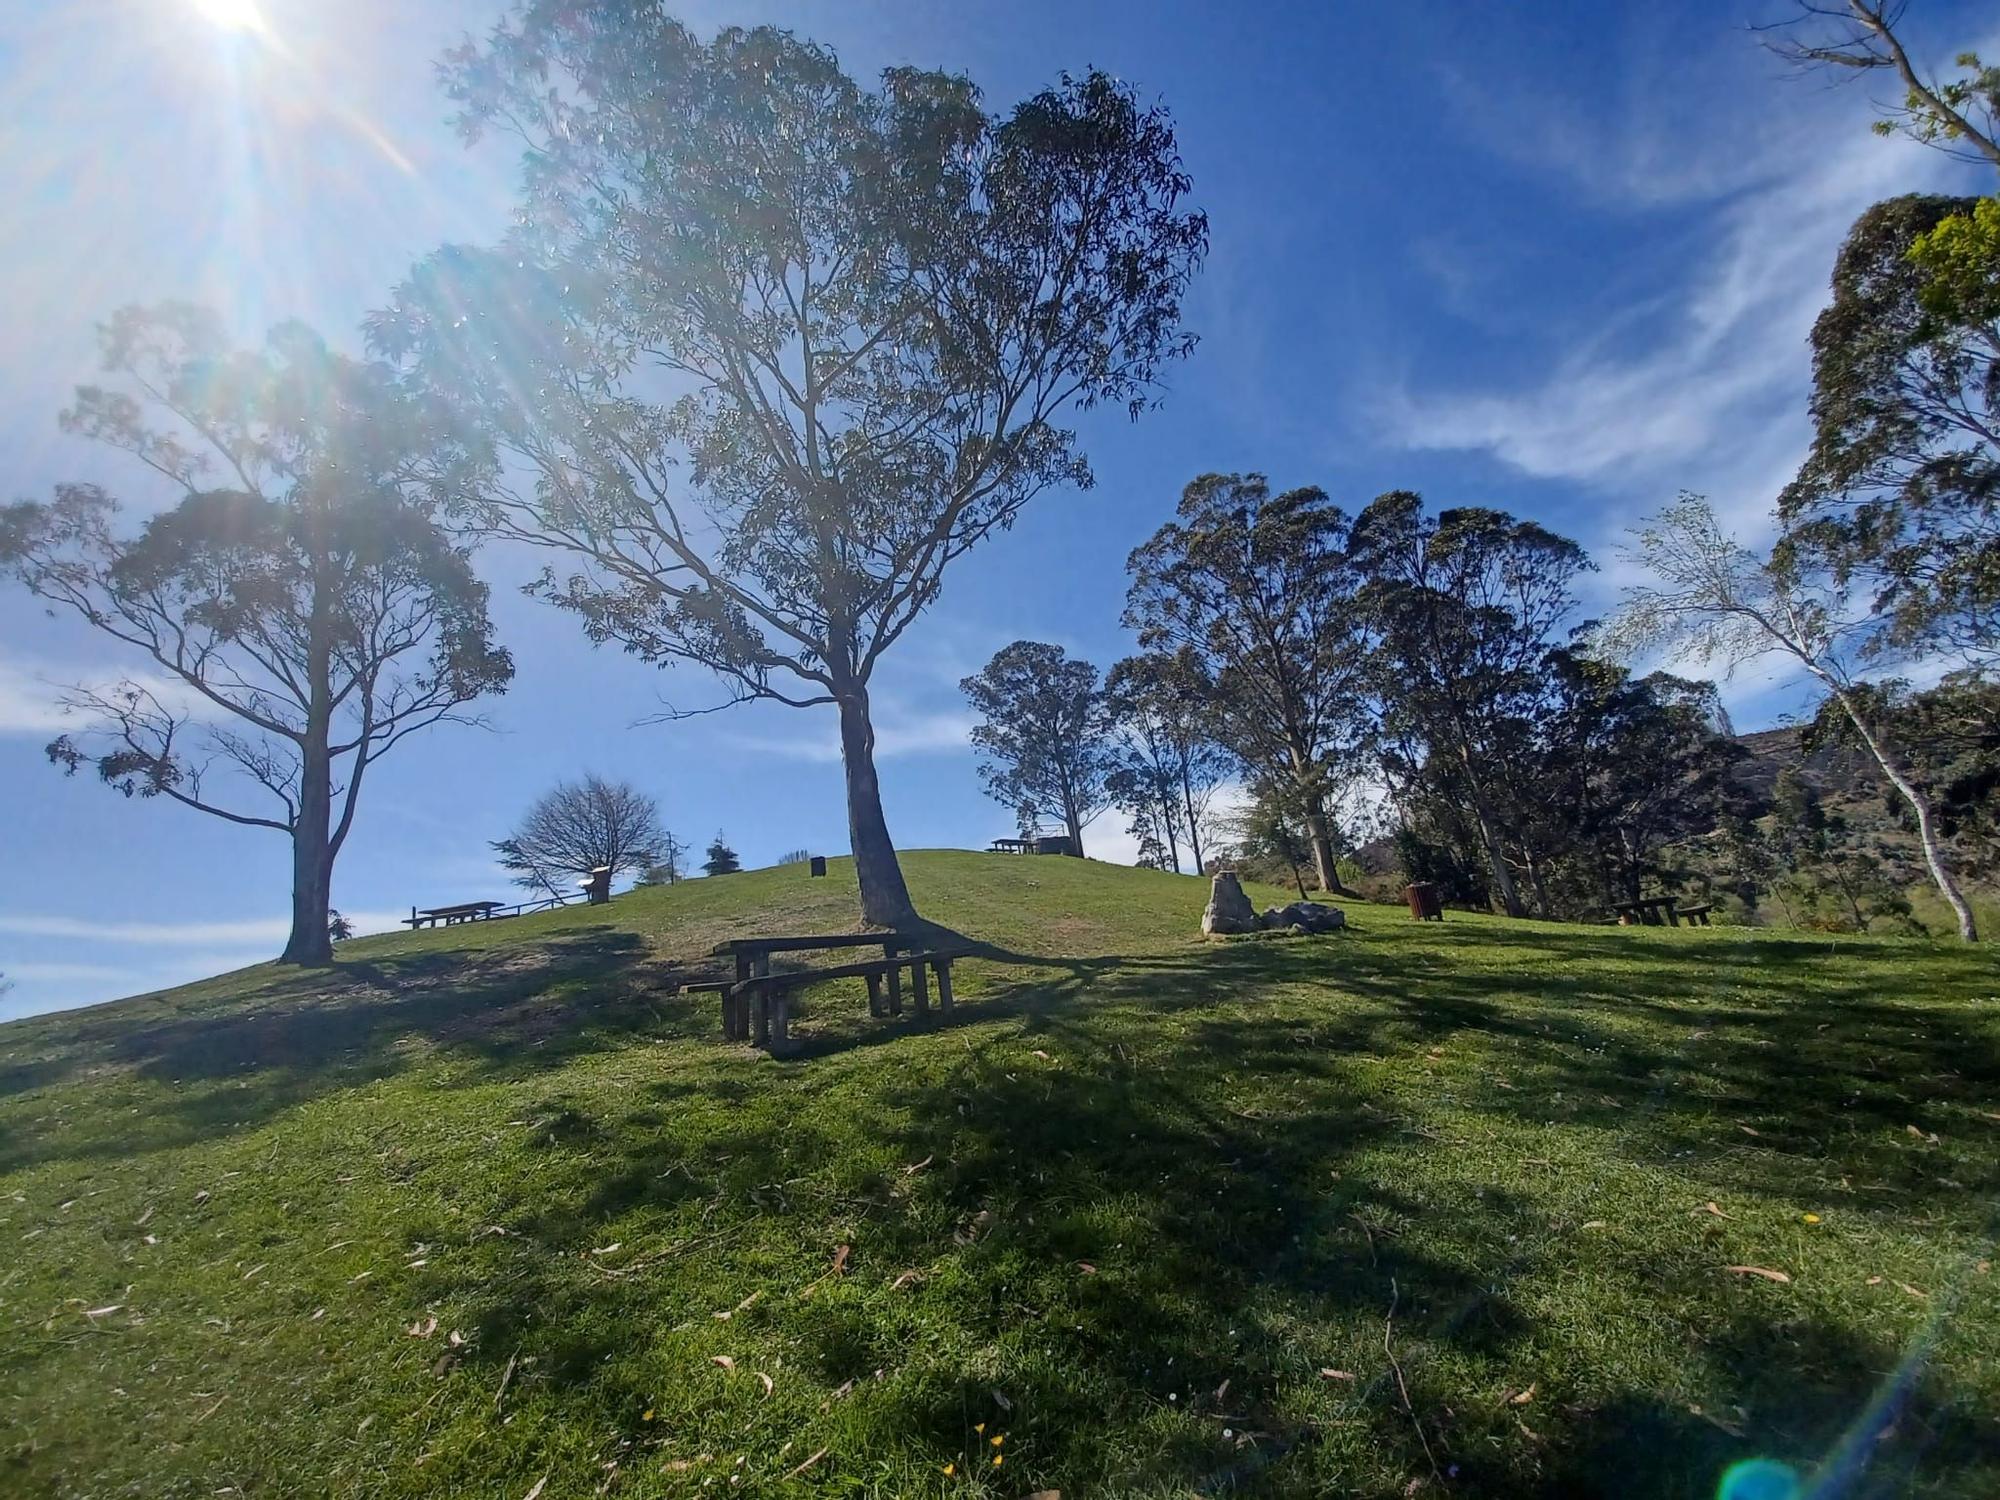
(229, 1065)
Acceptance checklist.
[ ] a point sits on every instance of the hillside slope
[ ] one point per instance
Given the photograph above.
(1467, 1208)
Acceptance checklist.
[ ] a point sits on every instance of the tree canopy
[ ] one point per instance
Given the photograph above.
(777, 348)
(294, 616)
(1044, 735)
(1259, 590)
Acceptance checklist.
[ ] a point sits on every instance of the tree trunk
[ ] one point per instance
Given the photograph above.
(312, 829)
(1503, 876)
(885, 900)
(1193, 828)
(1968, 929)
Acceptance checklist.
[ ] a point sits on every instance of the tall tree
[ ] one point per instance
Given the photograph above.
(1901, 490)
(1258, 590)
(580, 826)
(296, 613)
(777, 348)
(1159, 707)
(669, 867)
(1716, 600)
(1044, 733)
(1464, 607)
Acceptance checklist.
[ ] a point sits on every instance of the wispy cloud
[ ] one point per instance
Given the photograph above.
(31, 694)
(1697, 381)
(897, 733)
(247, 933)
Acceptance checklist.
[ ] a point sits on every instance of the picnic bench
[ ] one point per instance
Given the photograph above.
(758, 1001)
(451, 916)
(1657, 911)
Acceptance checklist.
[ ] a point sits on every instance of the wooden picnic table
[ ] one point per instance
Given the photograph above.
(1650, 911)
(451, 916)
(757, 995)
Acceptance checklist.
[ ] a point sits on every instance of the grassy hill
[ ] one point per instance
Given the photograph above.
(1466, 1209)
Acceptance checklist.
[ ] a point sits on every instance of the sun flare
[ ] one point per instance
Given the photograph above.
(231, 15)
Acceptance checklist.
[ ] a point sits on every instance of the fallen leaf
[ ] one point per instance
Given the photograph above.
(540, 1485)
(1811, 1218)
(749, 1302)
(1710, 1208)
(722, 1359)
(1336, 1375)
(1596, 1224)
(794, 1473)
(421, 1329)
(1921, 1296)
(1874, 1281)
(908, 1278)
(607, 1249)
(840, 1259)
(1747, 1130)
(1086, 1267)
(1005, 1405)
(1221, 1393)
(1524, 1397)
(767, 1382)
(1041, 1054)
(1764, 1271)
(1046, 1495)
(105, 1312)
(919, 1166)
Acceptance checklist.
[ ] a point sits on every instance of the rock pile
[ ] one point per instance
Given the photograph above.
(1230, 911)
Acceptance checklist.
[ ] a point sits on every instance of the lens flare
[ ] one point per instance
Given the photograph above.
(231, 15)
(1759, 1479)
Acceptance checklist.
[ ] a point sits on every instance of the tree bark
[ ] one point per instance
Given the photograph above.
(312, 828)
(1968, 929)
(885, 899)
(1193, 827)
(1503, 876)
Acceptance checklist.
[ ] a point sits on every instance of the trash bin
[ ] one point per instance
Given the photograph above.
(819, 864)
(1425, 904)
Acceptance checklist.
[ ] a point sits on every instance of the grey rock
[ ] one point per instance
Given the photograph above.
(1228, 909)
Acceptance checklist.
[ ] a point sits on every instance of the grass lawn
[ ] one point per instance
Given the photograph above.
(1486, 1208)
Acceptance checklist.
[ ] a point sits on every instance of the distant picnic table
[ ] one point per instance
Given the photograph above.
(1658, 911)
(451, 916)
(759, 1001)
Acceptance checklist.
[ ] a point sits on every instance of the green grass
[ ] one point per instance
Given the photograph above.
(1123, 1212)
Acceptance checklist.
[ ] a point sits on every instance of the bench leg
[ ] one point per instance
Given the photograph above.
(943, 967)
(760, 1010)
(920, 990)
(780, 1006)
(895, 992)
(875, 1005)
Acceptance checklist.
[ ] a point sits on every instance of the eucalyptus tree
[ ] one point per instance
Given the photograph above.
(1165, 747)
(1900, 492)
(1044, 735)
(1258, 590)
(1463, 607)
(1715, 600)
(776, 348)
(294, 616)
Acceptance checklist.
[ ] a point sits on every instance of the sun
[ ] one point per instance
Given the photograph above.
(231, 15)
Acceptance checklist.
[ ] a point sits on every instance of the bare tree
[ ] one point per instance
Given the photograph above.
(297, 613)
(1715, 600)
(581, 826)
(1959, 116)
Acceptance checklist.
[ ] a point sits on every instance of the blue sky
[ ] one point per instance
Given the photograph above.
(1560, 259)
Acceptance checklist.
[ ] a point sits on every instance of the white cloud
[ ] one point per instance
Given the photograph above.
(31, 694)
(265, 932)
(897, 733)
(1700, 384)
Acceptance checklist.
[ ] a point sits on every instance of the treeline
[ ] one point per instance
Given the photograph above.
(1403, 671)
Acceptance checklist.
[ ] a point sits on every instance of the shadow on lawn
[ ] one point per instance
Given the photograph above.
(300, 1036)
